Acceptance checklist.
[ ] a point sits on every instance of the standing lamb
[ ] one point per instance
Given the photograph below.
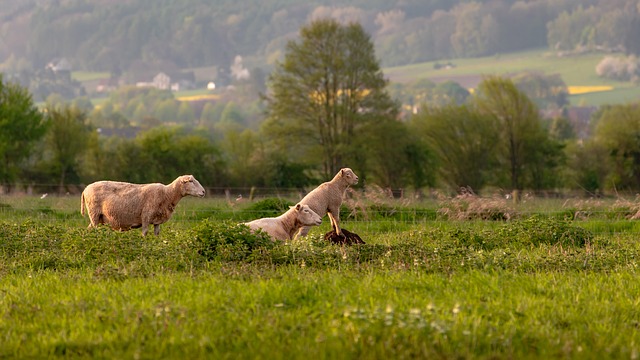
(285, 226)
(327, 199)
(125, 206)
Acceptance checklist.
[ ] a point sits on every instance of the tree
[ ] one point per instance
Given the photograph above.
(66, 139)
(328, 86)
(463, 141)
(544, 90)
(231, 119)
(517, 116)
(167, 111)
(21, 127)
(167, 151)
(240, 148)
(618, 131)
(630, 37)
(186, 114)
(587, 166)
(475, 31)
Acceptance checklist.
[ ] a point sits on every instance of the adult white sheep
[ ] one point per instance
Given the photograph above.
(327, 198)
(285, 226)
(125, 206)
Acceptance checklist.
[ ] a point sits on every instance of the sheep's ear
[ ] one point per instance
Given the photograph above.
(298, 206)
(342, 172)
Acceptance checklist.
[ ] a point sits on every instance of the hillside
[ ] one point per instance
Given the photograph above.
(122, 36)
(135, 40)
(577, 71)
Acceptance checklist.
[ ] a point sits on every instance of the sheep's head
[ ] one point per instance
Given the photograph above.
(349, 176)
(306, 216)
(191, 186)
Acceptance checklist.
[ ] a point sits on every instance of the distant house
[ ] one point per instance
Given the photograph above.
(59, 65)
(162, 81)
(173, 82)
(60, 69)
(106, 85)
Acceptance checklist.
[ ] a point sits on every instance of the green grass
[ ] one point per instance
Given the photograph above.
(539, 286)
(578, 70)
(89, 76)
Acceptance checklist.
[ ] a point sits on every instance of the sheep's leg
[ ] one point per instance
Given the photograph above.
(335, 224)
(156, 229)
(145, 227)
(94, 220)
(303, 231)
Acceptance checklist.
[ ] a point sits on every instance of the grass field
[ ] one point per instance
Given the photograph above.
(435, 280)
(578, 70)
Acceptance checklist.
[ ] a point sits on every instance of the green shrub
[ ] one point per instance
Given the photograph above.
(536, 231)
(229, 241)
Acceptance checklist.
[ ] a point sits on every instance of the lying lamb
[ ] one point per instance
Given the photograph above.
(285, 226)
(327, 199)
(125, 206)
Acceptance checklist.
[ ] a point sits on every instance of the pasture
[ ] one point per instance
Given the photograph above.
(464, 277)
(575, 70)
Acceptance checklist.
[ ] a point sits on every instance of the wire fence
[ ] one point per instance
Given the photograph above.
(367, 212)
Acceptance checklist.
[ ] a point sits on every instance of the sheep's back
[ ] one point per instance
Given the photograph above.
(320, 198)
(120, 202)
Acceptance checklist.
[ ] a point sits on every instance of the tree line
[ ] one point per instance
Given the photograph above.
(327, 106)
(124, 37)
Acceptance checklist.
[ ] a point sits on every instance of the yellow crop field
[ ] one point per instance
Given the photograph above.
(577, 90)
(199, 97)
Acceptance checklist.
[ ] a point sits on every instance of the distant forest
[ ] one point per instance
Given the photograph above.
(118, 36)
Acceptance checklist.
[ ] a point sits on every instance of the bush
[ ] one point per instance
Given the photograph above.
(229, 241)
(536, 231)
(623, 69)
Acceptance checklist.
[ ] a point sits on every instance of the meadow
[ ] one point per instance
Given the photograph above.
(466, 277)
(576, 71)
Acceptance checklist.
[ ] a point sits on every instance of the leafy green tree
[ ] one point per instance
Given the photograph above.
(21, 127)
(631, 35)
(547, 91)
(282, 173)
(449, 92)
(186, 114)
(572, 29)
(463, 141)
(386, 144)
(618, 131)
(476, 32)
(588, 166)
(167, 111)
(83, 103)
(327, 88)
(422, 166)
(211, 113)
(242, 151)
(231, 119)
(107, 117)
(521, 133)
(139, 113)
(66, 141)
(168, 152)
